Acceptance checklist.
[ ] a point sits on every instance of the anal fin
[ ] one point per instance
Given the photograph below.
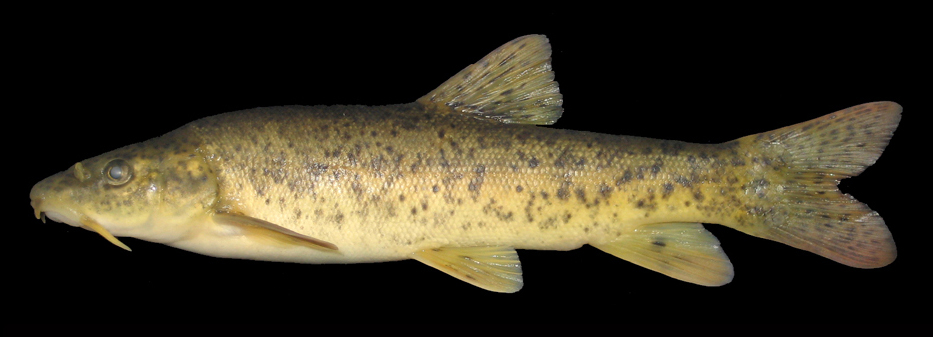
(492, 268)
(261, 229)
(684, 251)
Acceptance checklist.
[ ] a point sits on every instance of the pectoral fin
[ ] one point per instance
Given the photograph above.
(262, 229)
(685, 251)
(492, 268)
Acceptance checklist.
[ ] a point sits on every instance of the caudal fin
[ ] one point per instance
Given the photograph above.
(809, 159)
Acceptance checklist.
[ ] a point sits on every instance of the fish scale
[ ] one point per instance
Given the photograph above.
(462, 177)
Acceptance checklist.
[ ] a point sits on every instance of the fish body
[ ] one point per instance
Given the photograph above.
(462, 177)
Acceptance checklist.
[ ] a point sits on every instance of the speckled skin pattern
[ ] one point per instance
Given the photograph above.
(383, 182)
(461, 167)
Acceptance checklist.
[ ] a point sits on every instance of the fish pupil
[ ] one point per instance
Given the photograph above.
(116, 172)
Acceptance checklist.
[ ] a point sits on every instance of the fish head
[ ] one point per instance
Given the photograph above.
(151, 191)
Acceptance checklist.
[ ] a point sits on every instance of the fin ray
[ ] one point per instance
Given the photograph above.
(512, 84)
(492, 268)
(263, 229)
(810, 213)
(684, 251)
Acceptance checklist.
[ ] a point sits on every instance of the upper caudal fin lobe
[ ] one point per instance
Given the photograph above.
(807, 210)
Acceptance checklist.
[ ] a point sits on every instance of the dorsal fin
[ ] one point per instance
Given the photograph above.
(513, 84)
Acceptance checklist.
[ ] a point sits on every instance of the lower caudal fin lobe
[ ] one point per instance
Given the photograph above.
(809, 212)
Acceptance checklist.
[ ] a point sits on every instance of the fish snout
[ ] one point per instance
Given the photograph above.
(38, 195)
(37, 207)
(53, 198)
(48, 195)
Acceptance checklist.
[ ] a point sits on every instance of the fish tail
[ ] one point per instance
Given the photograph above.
(802, 206)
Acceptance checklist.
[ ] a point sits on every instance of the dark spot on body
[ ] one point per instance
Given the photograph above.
(548, 223)
(656, 168)
(668, 189)
(605, 190)
(698, 196)
(563, 193)
(626, 177)
(581, 195)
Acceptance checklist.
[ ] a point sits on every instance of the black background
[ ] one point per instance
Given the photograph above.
(88, 81)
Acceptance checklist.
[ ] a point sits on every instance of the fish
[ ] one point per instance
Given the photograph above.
(464, 176)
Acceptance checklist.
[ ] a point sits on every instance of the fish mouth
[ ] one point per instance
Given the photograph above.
(82, 221)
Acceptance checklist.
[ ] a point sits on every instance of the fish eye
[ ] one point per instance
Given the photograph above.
(118, 172)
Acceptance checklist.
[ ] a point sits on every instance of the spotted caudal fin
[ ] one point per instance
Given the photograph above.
(513, 84)
(801, 205)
